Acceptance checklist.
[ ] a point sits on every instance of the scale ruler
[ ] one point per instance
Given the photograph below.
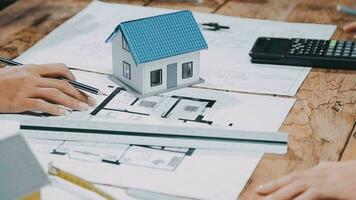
(157, 135)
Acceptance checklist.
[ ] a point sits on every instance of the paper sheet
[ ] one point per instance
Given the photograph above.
(184, 107)
(226, 65)
(199, 107)
(192, 173)
(79, 43)
(201, 174)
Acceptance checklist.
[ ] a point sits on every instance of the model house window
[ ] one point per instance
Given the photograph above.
(187, 70)
(127, 70)
(156, 77)
(124, 45)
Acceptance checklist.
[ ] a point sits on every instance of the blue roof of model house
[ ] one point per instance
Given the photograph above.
(162, 36)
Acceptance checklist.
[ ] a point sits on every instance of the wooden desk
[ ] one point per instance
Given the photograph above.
(321, 124)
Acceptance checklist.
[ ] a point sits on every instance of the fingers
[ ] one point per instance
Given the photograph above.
(288, 192)
(274, 185)
(43, 106)
(66, 88)
(350, 27)
(52, 71)
(56, 96)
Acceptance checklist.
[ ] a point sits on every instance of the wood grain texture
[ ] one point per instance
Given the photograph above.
(205, 6)
(321, 124)
(23, 23)
(350, 148)
(260, 9)
(322, 119)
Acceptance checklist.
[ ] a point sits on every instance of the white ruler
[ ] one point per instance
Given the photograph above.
(160, 135)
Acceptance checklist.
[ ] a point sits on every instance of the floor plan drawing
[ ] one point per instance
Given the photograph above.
(161, 169)
(183, 108)
(190, 107)
(154, 157)
(158, 169)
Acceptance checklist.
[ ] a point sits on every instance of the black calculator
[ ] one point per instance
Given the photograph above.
(305, 52)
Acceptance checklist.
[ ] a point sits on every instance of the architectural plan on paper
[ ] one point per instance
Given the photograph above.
(190, 173)
(151, 157)
(185, 107)
(200, 174)
(226, 65)
(196, 107)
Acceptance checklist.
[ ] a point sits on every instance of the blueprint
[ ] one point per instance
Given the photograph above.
(185, 107)
(226, 65)
(183, 172)
(151, 157)
(189, 173)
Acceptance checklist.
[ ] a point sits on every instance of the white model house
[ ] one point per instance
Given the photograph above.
(157, 54)
(21, 175)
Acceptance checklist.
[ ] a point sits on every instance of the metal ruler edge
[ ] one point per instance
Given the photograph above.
(160, 135)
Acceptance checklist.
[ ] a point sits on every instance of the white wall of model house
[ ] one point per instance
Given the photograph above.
(120, 55)
(162, 64)
(141, 74)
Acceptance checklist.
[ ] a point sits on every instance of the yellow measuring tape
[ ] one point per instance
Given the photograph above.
(55, 171)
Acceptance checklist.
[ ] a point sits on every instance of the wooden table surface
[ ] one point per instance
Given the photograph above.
(321, 124)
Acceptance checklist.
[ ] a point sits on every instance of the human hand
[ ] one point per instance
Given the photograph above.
(36, 88)
(350, 28)
(329, 180)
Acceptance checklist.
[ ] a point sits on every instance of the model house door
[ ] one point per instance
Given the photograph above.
(172, 75)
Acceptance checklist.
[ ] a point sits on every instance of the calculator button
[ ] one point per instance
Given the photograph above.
(337, 53)
(333, 42)
(346, 53)
(295, 41)
(329, 52)
(330, 48)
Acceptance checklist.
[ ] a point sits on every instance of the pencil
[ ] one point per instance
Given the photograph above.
(75, 84)
(55, 171)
